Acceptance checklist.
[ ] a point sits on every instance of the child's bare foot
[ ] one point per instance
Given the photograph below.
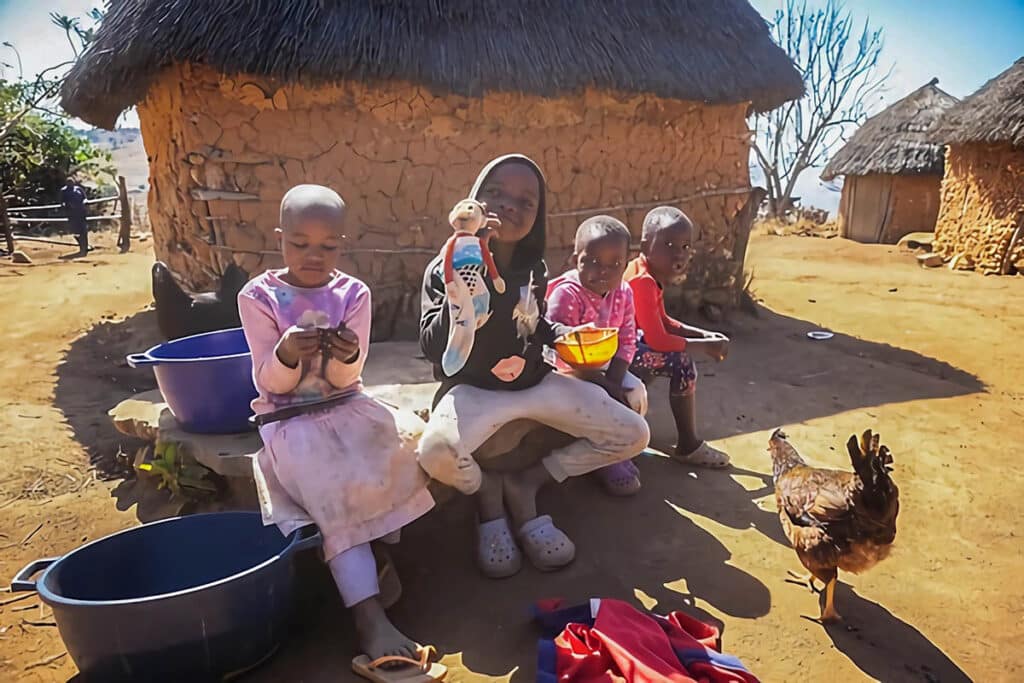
(377, 636)
(703, 456)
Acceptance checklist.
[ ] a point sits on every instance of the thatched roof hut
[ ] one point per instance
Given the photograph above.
(981, 218)
(893, 169)
(398, 104)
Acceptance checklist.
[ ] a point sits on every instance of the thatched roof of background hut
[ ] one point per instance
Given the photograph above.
(896, 140)
(993, 115)
(715, 52)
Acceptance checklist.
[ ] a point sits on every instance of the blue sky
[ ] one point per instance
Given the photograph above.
(962, 43)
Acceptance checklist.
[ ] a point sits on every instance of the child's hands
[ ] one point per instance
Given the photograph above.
(613, 388)
(342, 344)
(298, 344)
(572, 330)
(491, 225)
(715, 346)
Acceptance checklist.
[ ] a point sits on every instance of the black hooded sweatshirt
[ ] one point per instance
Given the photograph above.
(499, 337)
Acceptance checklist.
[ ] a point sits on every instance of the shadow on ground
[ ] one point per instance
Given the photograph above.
(776, 377)
(93, 377)
(645, 550)
(885, 647)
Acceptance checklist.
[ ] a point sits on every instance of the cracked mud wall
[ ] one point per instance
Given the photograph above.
(982, 208)
(223, 150)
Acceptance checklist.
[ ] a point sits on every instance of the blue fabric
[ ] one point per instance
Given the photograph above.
(547, 662)
(719, 659)
(553, 622)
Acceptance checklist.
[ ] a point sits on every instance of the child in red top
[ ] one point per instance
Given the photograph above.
(665, 253)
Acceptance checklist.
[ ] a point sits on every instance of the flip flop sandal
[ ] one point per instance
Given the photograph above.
(420, 670)
(546, 545)
(498, 556)
(704, 456)
(620, 479)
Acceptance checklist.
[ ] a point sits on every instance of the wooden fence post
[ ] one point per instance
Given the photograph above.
(125, 235)
(6, 223)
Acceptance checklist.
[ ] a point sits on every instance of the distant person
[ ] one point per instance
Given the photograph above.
(72, 196)
(666, 248)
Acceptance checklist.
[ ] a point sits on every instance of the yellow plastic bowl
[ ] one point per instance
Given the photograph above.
(590, 348)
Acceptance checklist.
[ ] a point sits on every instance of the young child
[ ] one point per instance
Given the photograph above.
(506, 384)
(665, 345)
(594, 293)
(332, 454)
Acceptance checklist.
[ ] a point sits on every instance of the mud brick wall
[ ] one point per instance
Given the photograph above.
(982, 207)
(401, 157)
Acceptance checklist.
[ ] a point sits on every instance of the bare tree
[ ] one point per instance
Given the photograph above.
(840, 67)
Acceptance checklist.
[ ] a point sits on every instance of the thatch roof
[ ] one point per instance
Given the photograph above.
(994, 114)
(716, 52)
(897, 140)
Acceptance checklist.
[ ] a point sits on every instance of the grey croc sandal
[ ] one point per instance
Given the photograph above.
(546, 545)
(498, 556)
(705, 456)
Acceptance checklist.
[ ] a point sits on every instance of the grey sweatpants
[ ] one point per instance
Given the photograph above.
(606, 431)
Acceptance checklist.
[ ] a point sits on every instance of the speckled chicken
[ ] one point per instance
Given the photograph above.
(834, 519)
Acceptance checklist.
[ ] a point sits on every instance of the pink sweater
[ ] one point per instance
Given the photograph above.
(570, 303)
(268, 306)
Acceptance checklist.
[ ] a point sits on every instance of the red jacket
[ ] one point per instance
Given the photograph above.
(649, 302)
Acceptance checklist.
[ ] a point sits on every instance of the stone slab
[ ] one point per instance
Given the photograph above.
(147, 417)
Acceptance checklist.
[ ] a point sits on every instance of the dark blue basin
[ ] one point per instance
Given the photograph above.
(195, 598)
(206, 380)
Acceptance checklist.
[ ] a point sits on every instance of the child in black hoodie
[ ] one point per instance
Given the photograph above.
(506, 380)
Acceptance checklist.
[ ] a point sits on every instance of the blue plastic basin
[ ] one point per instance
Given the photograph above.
(206, 380)
(195, 598)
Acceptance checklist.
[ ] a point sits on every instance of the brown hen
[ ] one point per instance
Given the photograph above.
(833, 519)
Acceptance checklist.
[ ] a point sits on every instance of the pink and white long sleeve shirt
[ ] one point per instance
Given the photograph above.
(269, 306)
(570, 303)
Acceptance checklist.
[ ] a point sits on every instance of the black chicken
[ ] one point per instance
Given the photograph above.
(180, 314)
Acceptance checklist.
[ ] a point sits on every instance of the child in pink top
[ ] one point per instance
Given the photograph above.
(332, 454)
(594, 293)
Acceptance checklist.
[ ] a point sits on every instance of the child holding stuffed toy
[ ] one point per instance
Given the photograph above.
(594, 293)
(332, 454)
(666, 248)
(505, 382)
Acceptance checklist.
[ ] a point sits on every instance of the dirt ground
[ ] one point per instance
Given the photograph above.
(927, 358)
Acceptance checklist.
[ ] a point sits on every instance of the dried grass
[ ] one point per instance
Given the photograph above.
(713, 52)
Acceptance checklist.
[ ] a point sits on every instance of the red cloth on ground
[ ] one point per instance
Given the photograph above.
(625, 645)
(649, 302)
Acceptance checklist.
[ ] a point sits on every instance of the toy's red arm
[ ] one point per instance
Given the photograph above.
(449, 255)
(492, 269)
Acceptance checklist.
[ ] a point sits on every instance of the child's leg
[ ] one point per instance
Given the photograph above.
(355, 573)
(690, 448)
(682, 390)
(606, 431)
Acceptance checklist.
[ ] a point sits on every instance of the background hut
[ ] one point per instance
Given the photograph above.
(893, 170)
(981, 218)
(397, 105)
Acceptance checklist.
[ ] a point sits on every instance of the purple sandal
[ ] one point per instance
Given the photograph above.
(620, 479)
